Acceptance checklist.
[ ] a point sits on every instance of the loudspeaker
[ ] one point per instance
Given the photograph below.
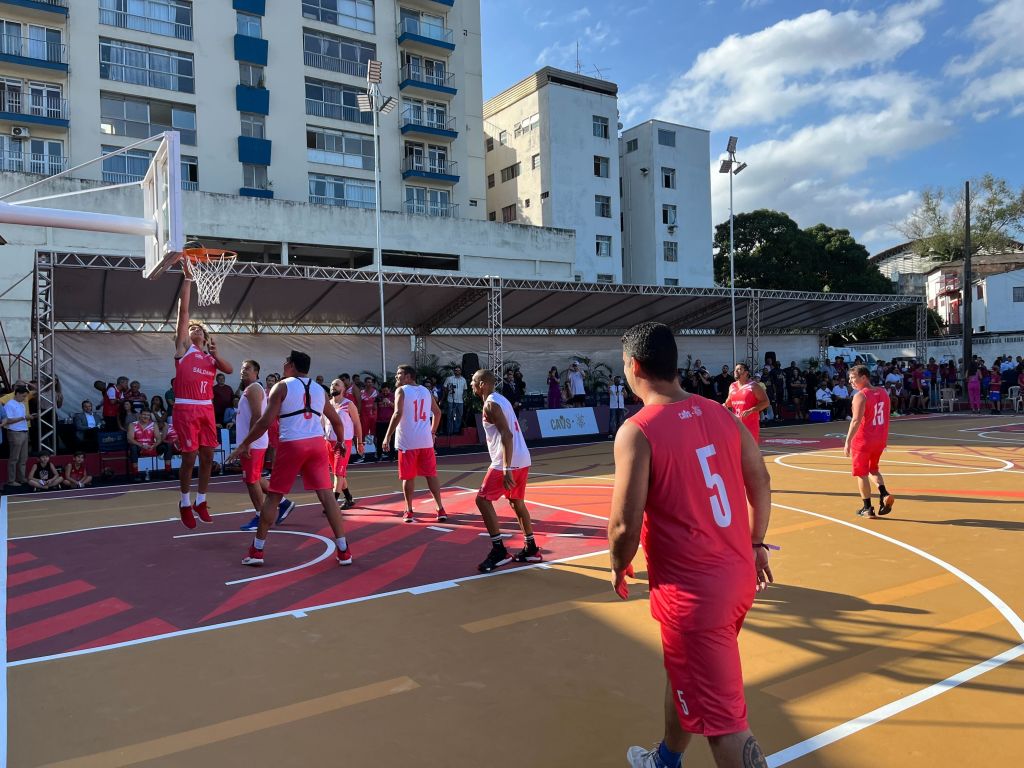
(769, 359)
(470, 364)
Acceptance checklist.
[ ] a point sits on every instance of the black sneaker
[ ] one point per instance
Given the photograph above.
(347, 504)
(497, 557)
(867, 512)
(529, 554)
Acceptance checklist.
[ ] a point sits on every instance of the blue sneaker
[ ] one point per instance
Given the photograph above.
(283, 510)
(252, 525)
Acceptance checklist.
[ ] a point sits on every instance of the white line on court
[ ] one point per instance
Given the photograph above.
(73, 496)
(328, 551)
(552, 506)
(3, 629)
(1007, 465)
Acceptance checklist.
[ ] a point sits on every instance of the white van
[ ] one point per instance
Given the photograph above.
(849, 356)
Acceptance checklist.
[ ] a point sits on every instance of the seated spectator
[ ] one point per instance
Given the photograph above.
(223, 394)
(75, 474)
(136, 397)
(823, 395)
(230, 414)
(44, 476)
(87, 427)
(146, 439)
(159, 410)
(126, 415)
(841, 401)
(898, 398)
(113, 395)
(169, 398)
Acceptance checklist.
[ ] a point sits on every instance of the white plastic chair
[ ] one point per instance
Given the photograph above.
(947, 395)
(1013, 397)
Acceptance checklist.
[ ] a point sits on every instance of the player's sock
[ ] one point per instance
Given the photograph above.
(348, 495)
(337, 496)
(882, 491)
(497, 542)
(167, 466)
(259, 543)
(186, 500)
(867, 503)
(528, 541)
(669, 758)
(200, 498)
(342, 543)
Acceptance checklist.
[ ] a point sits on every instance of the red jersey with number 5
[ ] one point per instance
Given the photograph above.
(193, 378)
(874, 429)
(696, 531)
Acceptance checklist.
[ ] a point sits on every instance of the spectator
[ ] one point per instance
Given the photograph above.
(898, 397)
(169, 399)
(577, 388)
(367, 407)
(791, 372)
(995, 390)
(454, 400)
(223, 394)
(518, 376)
(126, 416)
(320, 381)
(705, 387)
(76, 475)
(16, 419)
(136, 397)
(511, 392)
(385, 410)
(113, 394)
(146, 439)
(823, 395)
(87, 427)
(841, 401)
(554, 388)
(616, 406)
(722, 383)
(159, 410)
(778, 380)
(230, 414)
(797, 395)
(432, 388)
(44, 476)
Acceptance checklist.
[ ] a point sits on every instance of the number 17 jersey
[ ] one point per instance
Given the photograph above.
(696, 529)
(414, 424)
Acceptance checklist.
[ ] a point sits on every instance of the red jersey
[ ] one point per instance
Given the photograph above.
(696, 531)
(193, 378)
(874, 429)
(145, 436)
(111, 405)
(76, 473)
(743, 397)
(368, 405)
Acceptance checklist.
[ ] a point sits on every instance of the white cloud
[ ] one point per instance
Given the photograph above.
(573, 17)
(747, 4)
(997, 30)
(557, 54)
(1005, 85)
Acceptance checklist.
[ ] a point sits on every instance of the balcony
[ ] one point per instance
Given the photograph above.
(54, 6)
(27, 108)
(110, 177)
(253, 50)
(254, 151)
(249, 99)
(420, 167)
(422, 125)
(334, 64)
(424, 36)
(441, 210)
(421, 81)
(430, 6)
(334, 111)
(125, 20)
(339, 201)
(33, 53)
(25, 162)
(949, 284)
(190, 186)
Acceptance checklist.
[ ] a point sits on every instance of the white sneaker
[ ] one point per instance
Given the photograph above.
(643, 758)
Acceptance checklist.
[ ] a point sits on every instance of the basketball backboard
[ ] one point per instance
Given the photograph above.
(162, 190)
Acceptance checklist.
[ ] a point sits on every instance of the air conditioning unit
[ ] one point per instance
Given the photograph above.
(671, 228)
(20, 132)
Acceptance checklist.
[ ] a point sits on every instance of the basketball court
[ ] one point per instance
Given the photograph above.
(884, 642)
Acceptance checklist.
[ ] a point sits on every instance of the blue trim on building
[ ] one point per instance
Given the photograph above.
(413, 83)
(259, 7)
(253, 151)
(409, 37)
(449, 3)
(266, 194)
(429, 175)
(17, 117)
(255, 100)
(25, 61)
(426, 130)
(253, 50)
(37, 6)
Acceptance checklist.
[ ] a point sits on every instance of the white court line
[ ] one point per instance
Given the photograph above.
(326, 553)
(1007, 465)
(3, 629)
(958, 439)
(74, 496)
(560, 509)
(824, 453)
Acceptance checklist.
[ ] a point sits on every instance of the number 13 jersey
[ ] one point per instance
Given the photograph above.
(414, 424)
(696, 529)
(874, 429)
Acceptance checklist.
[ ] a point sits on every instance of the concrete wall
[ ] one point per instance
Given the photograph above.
(988, 347)
(997, 312)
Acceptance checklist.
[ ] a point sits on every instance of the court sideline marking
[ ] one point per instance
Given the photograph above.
(3, 628)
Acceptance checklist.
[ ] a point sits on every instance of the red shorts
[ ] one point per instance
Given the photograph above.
(338, 455)
(273, 433)
(753, 425)
(305, 457)
(417, 462)
(195, 427)
(704, 671)
(493, 487)
(864, 458)
(252, 465)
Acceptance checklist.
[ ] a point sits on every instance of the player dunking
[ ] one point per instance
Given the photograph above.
(194, 422)
(297, 403)
(414, 425)
(747, 399)
(686, 474)
(867, 439)
(507, 475)
(339, 450)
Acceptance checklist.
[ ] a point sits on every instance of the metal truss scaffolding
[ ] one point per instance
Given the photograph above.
(921, 340)
(753, 331)
(495, 347)
(42, 353)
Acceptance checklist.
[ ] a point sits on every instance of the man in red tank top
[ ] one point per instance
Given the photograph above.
(686, 473)
(747, 399)
(867, 438)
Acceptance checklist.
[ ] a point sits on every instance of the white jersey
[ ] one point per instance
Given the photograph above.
(520, 453)
(346, 420)
(616, 396)
(301, 410)
(414, 423)
(243, 419)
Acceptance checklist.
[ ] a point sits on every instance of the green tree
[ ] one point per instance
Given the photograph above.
(843, 264)
(936, 227)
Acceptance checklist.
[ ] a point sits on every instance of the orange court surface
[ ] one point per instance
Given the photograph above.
(132, 641)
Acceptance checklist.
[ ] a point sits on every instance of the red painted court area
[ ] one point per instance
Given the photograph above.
(93, 588)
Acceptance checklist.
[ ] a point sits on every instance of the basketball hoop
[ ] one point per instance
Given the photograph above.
(208, 268)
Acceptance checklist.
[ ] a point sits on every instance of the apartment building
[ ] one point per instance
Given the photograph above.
(552, 161)
(666, 205)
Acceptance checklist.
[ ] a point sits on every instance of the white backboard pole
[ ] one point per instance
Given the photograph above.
(63, 218)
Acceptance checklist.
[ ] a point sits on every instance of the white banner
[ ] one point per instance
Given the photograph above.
(567, 422)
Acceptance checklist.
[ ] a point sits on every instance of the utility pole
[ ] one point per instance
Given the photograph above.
(967, 288)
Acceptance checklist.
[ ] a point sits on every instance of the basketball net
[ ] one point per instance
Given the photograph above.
(209, 267)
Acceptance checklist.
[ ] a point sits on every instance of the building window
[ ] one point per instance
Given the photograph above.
(251, 75)
(338, 190)
(492, 216)
(601, 278)
(144, 65)
(535, 162)
(140, 118)
(601, 166)
(526, 125)
(490, 180)
(337, 54)
(507, 174)
(544, 195)
(600, 127)
(1018, 293)
(670, 250)
(668, 215)
(427, 201)
(671, 282)
(503, 138)
(490, 143)
(603, 206)
(508, 213)
(171, 18)
(350, 150)
(126, 167)
(354, 14)
(526, 203)
(44, 156)
(339, 102)
(189, 172)
(981, 291)
(254, 176)
(603, 245)
(32, 41)
(668, 178)
(248, 24)
(666, 138)
(254, 126)
(632, 145)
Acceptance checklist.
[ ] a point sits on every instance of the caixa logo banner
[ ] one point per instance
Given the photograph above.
(567, 422)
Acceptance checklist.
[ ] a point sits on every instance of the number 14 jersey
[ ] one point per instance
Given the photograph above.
(414, 424)
(696, 530)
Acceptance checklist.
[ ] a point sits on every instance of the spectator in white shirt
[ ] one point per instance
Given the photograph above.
(455, 400)
(17, 418)
(823, 395)
(840, 401)
(577, 389)
(616, 406)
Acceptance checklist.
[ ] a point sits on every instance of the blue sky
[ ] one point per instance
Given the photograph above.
(845, 109)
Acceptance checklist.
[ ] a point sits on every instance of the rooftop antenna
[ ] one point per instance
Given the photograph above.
(579, 65)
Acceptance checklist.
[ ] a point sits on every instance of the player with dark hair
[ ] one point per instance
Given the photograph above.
(747, 399)
(867, 438)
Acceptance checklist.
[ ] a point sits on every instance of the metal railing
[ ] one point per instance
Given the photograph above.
(190, 186)
(339, 201)
(26, 162)
(425, 29)
(29, 48)
(23, 103)
(430, 165)
(419, 74)
(334, 64)
(61, 3)
(164, 27)
(316, 108)
(444, 124)
(442, 210)
(111, 177)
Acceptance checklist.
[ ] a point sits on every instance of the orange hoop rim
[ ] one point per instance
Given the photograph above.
(204, 255)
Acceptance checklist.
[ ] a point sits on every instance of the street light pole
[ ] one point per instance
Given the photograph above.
(732, 167)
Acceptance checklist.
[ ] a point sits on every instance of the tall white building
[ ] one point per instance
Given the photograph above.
(552, 160)
(666, 205)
